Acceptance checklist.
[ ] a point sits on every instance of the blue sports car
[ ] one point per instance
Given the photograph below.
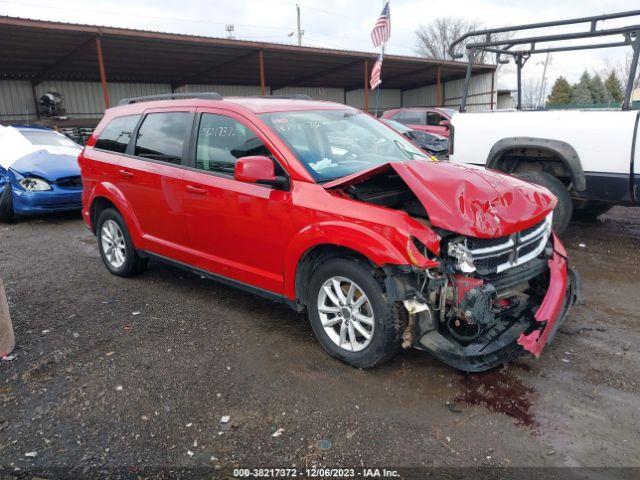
(39, 172)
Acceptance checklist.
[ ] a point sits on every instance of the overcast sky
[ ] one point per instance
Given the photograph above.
(334, 23)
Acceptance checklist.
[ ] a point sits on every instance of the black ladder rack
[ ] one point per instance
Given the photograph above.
(630, 36)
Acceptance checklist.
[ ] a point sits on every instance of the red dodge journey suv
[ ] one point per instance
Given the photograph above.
(323, 207)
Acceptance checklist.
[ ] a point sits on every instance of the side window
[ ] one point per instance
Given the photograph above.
(411, 117)
(116, 135)
(161, 136)
(222, 141)
(434, 118)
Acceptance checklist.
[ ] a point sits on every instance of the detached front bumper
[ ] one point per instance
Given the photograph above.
(528, 333)
(56, 200)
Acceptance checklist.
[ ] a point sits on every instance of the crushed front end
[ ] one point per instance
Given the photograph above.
(485, 301)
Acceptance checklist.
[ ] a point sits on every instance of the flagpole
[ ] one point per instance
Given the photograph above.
(384, 2)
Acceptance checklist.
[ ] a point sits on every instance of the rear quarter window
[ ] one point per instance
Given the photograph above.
(117, 134)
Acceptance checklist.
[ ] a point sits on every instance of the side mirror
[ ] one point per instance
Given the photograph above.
(259, 169)
(444, 123)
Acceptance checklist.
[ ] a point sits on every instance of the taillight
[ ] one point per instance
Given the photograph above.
(452, 131)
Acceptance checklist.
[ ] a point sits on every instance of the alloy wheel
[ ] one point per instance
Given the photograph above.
(346, 314)
(113, 244)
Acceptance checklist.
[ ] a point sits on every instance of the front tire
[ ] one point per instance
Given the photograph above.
(563, 211)
(7, 214)
(350, 314)
(115, 245)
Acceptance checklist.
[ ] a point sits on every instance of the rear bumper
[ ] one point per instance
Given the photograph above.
(56, 200)
(529, 333)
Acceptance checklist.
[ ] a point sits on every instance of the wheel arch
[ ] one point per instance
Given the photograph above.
(562, 151)
(321, 242)
(106, 195)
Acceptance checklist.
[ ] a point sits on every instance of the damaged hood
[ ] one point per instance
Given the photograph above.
(466, 199)
(47, 165)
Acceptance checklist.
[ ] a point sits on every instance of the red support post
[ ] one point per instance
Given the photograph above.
(438, 88)
(261, 61)
(103, 75)
(366, 85)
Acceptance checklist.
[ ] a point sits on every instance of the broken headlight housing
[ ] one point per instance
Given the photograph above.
(33, 184)
(462, 255)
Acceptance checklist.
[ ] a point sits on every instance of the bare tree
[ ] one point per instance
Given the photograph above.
(625, 72)
(434, 39)
(531, 93)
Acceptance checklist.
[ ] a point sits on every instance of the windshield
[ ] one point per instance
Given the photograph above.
(335, 143)
(48, 139)
(397, 126)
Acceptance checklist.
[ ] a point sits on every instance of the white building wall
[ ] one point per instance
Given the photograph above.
(480, 94)
(420, 97)
(317, 93)
(389, 98)
(224, 90)
(505, 101)
(16, 101)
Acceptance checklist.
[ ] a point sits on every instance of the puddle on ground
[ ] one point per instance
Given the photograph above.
(499, 391)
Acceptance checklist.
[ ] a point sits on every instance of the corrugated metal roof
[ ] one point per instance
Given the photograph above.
(40, 50)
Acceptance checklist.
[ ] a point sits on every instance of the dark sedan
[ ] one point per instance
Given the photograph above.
(436, 145)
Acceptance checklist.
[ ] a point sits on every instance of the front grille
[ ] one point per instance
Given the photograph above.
(70, 182)
(494, 255)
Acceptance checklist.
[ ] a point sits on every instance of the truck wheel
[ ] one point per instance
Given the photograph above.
(6, 205)
(590, 211)
(115, 245)
(562, 212)
(350, 315)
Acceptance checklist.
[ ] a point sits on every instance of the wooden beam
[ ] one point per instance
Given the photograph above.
(46, 72)
(213, 68)
(103, 75)
(366, 85)
(262, 85)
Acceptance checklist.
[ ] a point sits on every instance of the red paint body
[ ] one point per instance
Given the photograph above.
(551, 308)
(444, 113)
(257, 235)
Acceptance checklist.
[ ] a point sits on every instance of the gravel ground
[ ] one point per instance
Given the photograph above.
(137, 373)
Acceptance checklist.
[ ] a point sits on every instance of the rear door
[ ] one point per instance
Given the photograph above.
(237, 229)
(150, 177)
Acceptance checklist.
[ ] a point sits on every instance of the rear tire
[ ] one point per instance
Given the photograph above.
(365, 312)
(115, 245)
(591, 211)
(563, 211)
(7, 214)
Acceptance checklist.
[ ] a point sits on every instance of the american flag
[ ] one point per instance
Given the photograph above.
(382, 29)
(376, 74)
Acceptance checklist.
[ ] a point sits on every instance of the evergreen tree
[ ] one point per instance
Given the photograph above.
(580, 92)
(560, 92)
(614, 87)
(599, 93)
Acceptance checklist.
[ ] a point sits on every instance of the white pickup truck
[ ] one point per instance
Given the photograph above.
(589, 159)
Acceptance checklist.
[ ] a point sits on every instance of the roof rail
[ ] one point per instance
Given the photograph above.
(295, 96)
(171, 96)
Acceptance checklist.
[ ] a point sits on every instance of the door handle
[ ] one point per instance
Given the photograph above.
(199, 191)
(126, 173)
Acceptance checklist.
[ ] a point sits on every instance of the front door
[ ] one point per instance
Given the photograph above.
(237, 229)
